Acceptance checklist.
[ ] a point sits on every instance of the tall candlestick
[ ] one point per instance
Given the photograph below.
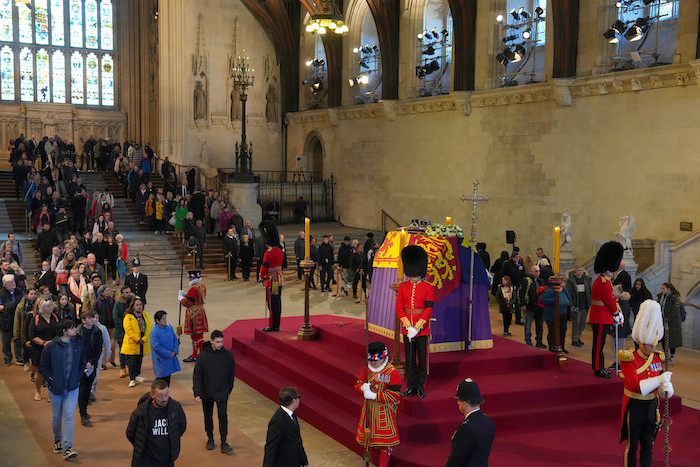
(399, 267)
(557, 244)
(448, 221)
(307, 237)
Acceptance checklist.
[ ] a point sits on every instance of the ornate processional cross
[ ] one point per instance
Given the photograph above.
(475, 198)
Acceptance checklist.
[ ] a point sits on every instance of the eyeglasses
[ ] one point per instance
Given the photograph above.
(298, 396)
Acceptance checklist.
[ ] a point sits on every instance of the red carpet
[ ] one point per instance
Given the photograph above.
(544, 414)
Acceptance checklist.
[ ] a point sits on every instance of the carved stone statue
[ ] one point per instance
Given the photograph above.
(566, 228)
(271, 104)
(200, 102)
(625, 231)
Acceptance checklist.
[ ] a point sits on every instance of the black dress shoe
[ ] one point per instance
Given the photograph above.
(576, 344)
(276, 330)
(540, 345)
(420, 394)
(565, 351)
(602, 374)
(408, 392)
(267, 329)
(189, 359)
(210, 444)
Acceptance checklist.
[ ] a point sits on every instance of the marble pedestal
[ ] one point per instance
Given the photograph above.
(630, 265)
(567, 260)
(244, 196)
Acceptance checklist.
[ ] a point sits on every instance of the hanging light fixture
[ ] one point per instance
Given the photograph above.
(330, 18)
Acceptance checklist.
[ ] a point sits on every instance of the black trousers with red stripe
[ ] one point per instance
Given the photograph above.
(599, 333)
(416, 351)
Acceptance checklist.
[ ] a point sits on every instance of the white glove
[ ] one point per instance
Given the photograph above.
(666, 377)
(181, 295)
(666, 390)
(364, 387)
(412, 332)
(370, 395)
(619, 318)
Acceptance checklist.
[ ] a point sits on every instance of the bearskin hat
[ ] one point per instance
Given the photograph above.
(648, 325)
(415, 261)
(608, 258)
(269, 233)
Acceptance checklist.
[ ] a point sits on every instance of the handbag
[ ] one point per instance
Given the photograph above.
(171, 221)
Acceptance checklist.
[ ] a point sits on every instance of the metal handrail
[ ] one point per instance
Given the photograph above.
(386, 216)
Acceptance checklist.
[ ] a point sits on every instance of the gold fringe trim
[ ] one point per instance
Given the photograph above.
(381, 331)
(481, 344)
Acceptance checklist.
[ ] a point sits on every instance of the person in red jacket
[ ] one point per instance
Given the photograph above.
(196, 317)
(271, 274)
(645, 380)
(604, 311)
(379, 383)
(414, 306)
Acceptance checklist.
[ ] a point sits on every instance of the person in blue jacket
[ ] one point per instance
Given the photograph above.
(164, 347)
(547, 299)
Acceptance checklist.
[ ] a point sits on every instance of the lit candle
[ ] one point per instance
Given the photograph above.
(399, 267)
(557, 242)
(448, 221)
(307, 237)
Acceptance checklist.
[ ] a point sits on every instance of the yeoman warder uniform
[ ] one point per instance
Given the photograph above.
(195, 316)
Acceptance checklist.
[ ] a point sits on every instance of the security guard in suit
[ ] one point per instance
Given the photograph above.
(471, 443)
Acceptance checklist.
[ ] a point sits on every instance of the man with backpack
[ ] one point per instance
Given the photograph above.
(529, 299)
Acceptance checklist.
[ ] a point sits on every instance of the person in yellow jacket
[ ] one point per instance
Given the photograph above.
(137, 327)
(160, 228)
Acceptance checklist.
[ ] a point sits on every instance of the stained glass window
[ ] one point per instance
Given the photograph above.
(92, 80)
(25, 24)
(58, 73)
(26, 74)
(41, 21)
(106, 25)
(76, 23)
(6, 21)
(43, 78)
(91, 24)
(107, 80)
(7, 74)
(61, 50)
(76, 79)
(57, 19)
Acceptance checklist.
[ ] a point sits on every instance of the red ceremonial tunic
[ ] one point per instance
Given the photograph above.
(382, 410)
(271, 269)
(639, 368)
(195, 317)
(414, 306)
(603, 304)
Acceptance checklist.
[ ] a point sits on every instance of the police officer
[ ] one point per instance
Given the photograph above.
(137, 282)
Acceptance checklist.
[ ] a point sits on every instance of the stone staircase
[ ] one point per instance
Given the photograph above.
(12, 219)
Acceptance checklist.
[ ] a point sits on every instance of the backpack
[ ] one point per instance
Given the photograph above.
(684, 315)
(540, 290)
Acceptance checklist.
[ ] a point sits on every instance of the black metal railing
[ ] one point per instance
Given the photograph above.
(287, 202)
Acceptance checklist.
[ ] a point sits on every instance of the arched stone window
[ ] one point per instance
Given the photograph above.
(57, 51)
(365, 78)
(317, 75)
(433, 68)
(520, 47)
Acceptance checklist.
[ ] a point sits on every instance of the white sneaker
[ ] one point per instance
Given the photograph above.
(140, 379)
(132, 383)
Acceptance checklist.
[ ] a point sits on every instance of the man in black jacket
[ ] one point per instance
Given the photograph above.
(155, 427)
(344, 253)
(283, 446)
(533, 311)
(45, 241)
(137, 282)
(91, 337)
(299, 247)
(213, 382)
(514, 269)
(230, 246)
(246, 253)
(471, 443)
(325, 256)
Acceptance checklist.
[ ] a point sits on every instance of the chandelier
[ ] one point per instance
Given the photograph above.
(330, 18)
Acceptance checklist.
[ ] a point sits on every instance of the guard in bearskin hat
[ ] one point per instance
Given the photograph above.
(414, 306)
(379, 383)
(195, 316)
(604, 311)
(271, 274)
(644, 380)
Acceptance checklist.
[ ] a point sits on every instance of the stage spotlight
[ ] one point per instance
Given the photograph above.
(434, 33)
(355, 50)
(353, 82)
(375, 48)
(430, 50)
(647, 2)
(523, 13)
(499, 18)
(527, 34)
(618, 4)
(539, 11)
(445, 33)
(309, 62)
(433, 67)
(420, 71)
(321, 62)
(611, 36)
(363, 64)
(515, 14)
(317, 85)
(509, 54)
(619, 27)
(364, 79)
(634, 33)
(519, 53)
(419, 36)
(501, 58)
(510, 38)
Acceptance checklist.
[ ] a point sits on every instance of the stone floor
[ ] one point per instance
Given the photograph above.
(25, 425)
